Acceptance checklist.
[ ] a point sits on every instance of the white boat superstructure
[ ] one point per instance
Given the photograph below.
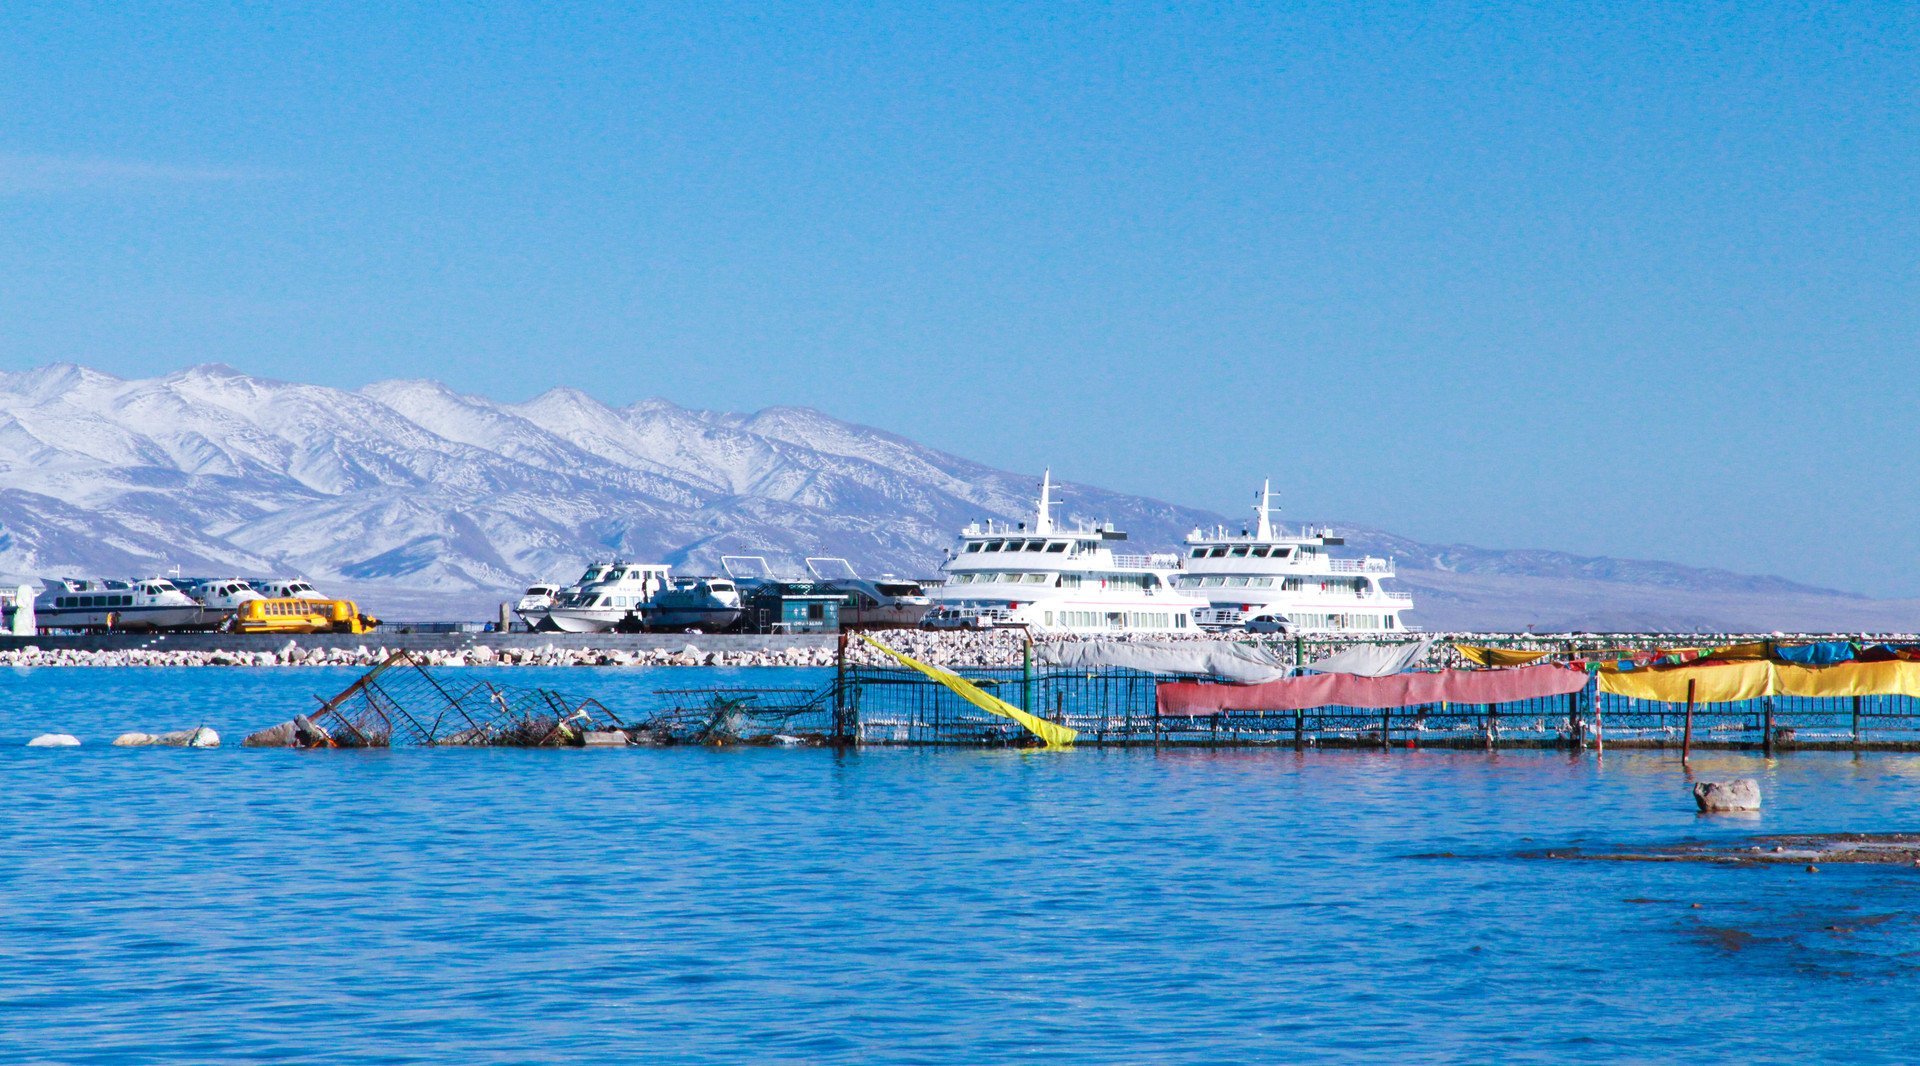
(1267, 574)
(884, 601)
(1060, 580)
(607, 595)
(287, 588)
(221, 596)
(145, 603)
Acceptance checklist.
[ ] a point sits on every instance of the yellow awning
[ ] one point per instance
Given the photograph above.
(1498, 656)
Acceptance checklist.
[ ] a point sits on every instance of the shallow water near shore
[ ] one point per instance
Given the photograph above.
(892, 905)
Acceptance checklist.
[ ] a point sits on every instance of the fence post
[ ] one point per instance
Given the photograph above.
(1299, 730)
(1386, 728)
(840, 729)
(1026, 672)
(1493, 726)
(1856, 723)
(1686, 737)
(1766, 742)
(1574, 742)
(1599, 728)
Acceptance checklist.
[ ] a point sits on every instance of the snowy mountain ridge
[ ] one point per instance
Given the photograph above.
(411, 490)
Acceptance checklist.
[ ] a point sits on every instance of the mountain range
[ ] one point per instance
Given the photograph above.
(423, 502)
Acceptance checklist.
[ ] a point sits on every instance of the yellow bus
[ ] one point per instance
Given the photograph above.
(301, 616)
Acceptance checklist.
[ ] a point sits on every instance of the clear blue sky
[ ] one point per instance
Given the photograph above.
(1627, 279)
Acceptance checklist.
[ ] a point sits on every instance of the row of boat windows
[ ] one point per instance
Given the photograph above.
(1291, 584)
(1022, 545)
(1243, 551)
(1111, 619)
(1063, 581)
(1340, 621)
(83, 602)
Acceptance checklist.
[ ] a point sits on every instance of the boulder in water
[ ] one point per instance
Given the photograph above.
(593, 738)
(54, 740)
(1738, 795)
(200, 737)
(299, 733)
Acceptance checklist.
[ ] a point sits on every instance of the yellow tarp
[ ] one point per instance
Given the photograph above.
(1717, 683)
(1749, 679)
(1498, 656)
(1056, 735)
(1896, 678)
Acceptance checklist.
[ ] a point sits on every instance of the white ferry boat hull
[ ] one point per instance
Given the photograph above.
(586, 619)
(143, 604)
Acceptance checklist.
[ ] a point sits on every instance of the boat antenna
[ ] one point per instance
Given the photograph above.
(1265, 530)
(1043, 519)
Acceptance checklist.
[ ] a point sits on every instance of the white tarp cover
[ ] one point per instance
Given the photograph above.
(1372, 660)
(1212, 658)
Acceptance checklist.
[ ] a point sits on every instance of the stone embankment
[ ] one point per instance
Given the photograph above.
(950, 648)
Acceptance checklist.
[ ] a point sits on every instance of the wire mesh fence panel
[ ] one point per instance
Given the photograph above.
(401, 702)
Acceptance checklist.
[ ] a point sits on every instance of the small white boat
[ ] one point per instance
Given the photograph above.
(535, 603)
(148, 603)
(623, 589)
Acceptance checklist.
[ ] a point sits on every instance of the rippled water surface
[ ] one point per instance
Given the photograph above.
(686, 905)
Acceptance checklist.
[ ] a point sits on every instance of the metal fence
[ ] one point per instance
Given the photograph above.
(1119, 707)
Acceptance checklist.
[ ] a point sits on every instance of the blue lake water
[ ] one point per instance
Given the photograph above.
(913, 906)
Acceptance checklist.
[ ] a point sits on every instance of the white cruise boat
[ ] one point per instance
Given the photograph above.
(709, 604)
(149, 603)
(883, 602)
(1269, 580)
(607, 595)
(1059, 580)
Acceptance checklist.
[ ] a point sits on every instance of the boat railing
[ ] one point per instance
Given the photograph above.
(1358, 566)
(1146, 562)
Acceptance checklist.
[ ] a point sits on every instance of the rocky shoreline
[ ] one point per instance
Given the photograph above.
(949, 648)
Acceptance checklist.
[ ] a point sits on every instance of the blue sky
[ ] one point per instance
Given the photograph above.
(1626, 279)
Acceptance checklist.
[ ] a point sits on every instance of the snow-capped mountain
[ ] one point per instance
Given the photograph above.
(418, 496)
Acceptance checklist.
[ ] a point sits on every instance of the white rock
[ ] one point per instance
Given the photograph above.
(54, 740)
(1740, 795)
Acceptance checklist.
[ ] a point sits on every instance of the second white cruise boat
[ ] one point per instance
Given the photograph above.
(1267, 580)
(1060, 580)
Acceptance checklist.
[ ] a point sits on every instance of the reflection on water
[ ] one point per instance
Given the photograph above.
(160, 905)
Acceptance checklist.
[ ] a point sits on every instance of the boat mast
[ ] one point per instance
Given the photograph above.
(1043, 520)
(1265, 530)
